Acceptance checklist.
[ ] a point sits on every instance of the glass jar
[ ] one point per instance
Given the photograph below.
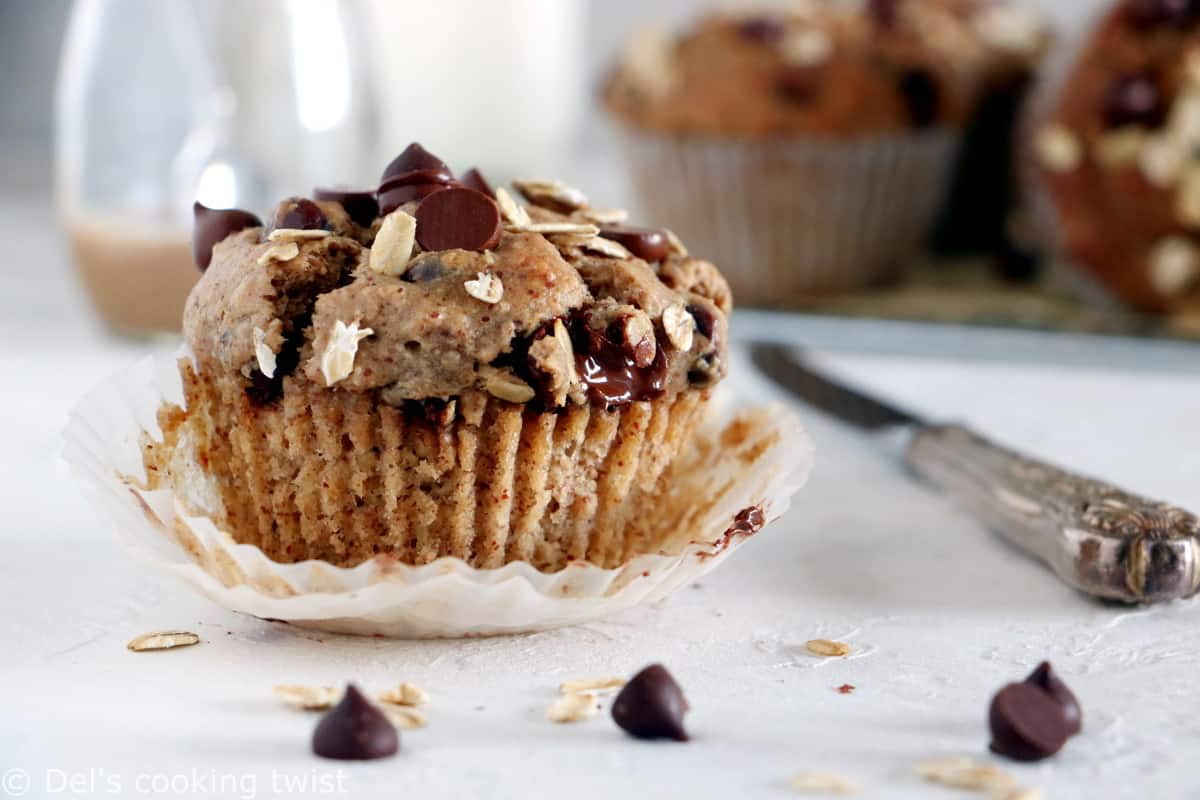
(232, 103)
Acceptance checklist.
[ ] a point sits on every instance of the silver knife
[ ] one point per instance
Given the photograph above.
(1098, 538)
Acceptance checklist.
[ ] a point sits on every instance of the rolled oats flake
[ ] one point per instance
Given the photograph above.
(513, 213)
(337, 360)
(393, 246)
(679, 327)
(308, 698)
(828, 648)
(263, 354)
(162, 640)
(282, 252)
(486, 288)
(573, 707)
(1058, 148)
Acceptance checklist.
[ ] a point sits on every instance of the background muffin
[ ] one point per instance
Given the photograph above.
(445, 373)
(1117, 155)
(806, 149)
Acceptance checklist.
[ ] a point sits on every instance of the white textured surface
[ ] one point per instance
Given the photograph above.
(940, 613)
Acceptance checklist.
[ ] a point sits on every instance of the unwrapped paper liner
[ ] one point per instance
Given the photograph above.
(759, 457)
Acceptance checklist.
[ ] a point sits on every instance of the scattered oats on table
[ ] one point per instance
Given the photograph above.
(592, 685)
(822, 783)
(405, 694)
(965, 773)
(825, 647)
(308, 698)
(572, 707)
(162, 640)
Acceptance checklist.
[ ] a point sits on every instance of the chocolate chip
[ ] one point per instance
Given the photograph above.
(423, 269)
(610, 376)
(796, 86)
(300, 213)
(884, 12)
(765, 29)
(473, 179)
(1027, 723)
(651, 706)
(418, 176)
(706, 321)
(1046, 678)
(1134, 100)
(458, 218)
(393, 198)
(748, 522)
(355, 730)
(212, 225)
(922, 98)
(1155, 13)
(413, 158)
(360, 204)
(645, 243)
(414, 184)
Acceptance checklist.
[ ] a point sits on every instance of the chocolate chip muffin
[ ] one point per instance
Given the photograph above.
(436, 369)
(808, 149)
(1118, 155)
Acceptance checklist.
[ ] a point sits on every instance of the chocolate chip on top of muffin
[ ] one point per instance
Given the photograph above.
(437, 369)
(836, 69)
(1120, 154)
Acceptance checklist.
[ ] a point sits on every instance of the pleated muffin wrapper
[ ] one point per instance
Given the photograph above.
(748, 464)
(790, 218)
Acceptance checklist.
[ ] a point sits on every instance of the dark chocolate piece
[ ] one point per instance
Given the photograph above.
(212, 225)
(396, 196)
(706, 322)
(361, 204)
(414, 184)
(922, 98)
(414, 158)
(423, 269)
(1147, 14)
(609, 375)
(651, 706)
(355, 730)
(748, 522)
(884, 12)
(300, 213)
(458, 218)
(796, 86)
(1046, 678)
(473, 179)
(765, 29)
(1134, 100)
(648, 244)
(1027, 723)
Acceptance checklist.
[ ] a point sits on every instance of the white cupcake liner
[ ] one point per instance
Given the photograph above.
(446, 598)
(786, 218)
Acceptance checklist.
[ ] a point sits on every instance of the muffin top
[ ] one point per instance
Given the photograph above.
(1120, 152)
(820, 68)
(433, 285)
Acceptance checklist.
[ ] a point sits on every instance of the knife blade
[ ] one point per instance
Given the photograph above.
(1096, 537)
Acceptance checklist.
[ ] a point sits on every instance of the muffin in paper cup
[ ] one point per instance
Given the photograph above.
(789, 218)
(1112, 164)
(735, 476)
(808, 150)
(441, 381)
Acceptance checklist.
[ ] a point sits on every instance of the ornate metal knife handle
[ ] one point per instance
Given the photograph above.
(1098, 538)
